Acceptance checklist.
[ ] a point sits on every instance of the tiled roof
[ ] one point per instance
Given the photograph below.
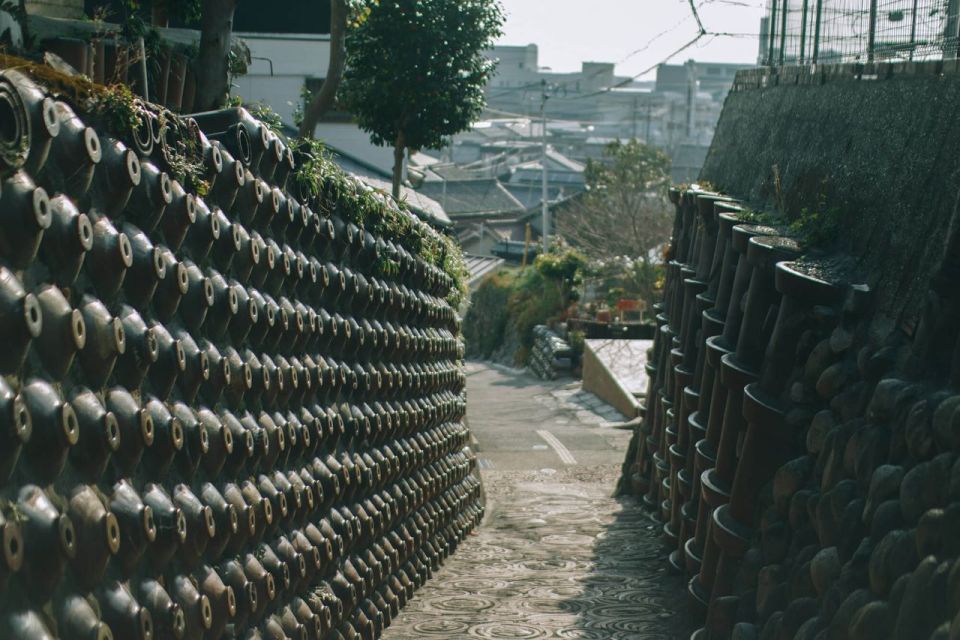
(472, 197)
(480, 266)
(529, 194)
(459, 173)
(571, 165)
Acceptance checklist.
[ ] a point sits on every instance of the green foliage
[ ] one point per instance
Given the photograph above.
(239, 58)
(378, 213)
(118, 107)
(486, 321)
(630, 165)
(186, 11)
(184, 157)
(536, 299)
(577, 340)
(306, 97)
(624, 218)
(750, 216)
(818, 229)
(563, 264)
(624, 277)
(265, 114)
(416, 70)
(518, 301)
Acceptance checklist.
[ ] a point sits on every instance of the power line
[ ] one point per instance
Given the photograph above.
(627, 81)
(537, 83)
(703, 31)
(528, 116)
(696, 16)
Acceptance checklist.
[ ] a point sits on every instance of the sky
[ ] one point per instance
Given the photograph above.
(570, 31)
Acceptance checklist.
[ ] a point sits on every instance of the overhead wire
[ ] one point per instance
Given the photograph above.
(702, 32)
(502, 91)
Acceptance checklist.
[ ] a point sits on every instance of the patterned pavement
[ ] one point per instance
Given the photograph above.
(557, 556)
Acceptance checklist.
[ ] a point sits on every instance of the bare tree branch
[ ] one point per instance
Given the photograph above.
(624, 216)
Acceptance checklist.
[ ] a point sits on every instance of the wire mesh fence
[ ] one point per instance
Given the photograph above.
(831, 31)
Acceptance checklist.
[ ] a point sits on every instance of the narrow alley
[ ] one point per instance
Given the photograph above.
(557, 556)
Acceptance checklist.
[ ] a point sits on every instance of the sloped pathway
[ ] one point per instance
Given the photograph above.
(557, 556)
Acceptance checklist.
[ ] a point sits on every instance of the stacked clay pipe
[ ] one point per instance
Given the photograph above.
(551, 356)
(219, 418)
(799, 447)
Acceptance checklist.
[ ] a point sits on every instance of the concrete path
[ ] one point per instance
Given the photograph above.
(557, 556)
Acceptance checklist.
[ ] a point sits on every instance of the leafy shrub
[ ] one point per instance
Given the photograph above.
(486, 319)
(514, 302)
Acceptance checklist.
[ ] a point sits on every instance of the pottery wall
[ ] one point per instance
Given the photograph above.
(799, 443)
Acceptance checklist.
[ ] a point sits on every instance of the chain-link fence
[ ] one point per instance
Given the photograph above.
(829, 31)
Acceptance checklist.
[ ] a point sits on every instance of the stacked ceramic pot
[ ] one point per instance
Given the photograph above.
(221, 416)
(784, 423)
(551, 355)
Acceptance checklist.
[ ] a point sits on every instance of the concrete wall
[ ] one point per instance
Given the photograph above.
(281, 63)
(876, 144)
(602, 378)
(56, 8)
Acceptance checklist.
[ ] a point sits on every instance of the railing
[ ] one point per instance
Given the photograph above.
(834, 31)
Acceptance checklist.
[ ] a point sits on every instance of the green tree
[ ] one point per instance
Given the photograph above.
(624, 213)
(415, 72)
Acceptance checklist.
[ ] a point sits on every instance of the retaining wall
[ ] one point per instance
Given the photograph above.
(874, 143)
(799, 441)
(232, 403)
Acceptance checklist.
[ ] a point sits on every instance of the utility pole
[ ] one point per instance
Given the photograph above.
(544, 207)
(691, 97)
(649, 107)
(635, 118)
(951, 31)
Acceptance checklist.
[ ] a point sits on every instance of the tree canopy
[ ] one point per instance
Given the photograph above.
(416, 71)
(624, 213)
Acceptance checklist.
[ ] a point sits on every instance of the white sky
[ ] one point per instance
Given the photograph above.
(571, 31)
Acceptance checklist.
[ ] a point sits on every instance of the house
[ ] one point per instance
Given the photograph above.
(679, 108)
(561, 171)
(473, 198)
(289, 43)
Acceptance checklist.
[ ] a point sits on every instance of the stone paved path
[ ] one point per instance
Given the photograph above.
(557, 556)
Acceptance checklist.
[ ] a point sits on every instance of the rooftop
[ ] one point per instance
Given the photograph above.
(472, 197)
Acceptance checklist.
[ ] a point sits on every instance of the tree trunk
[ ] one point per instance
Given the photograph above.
(213, 61)
(398, 151)
(160, 15)
(325, 98)
(24, 25)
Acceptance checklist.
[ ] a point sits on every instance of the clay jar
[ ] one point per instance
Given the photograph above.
(65, 332)
(55, 430)
(98, 536)
(25, 215)
(49, 542)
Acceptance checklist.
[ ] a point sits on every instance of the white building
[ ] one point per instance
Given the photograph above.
(281, 65)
